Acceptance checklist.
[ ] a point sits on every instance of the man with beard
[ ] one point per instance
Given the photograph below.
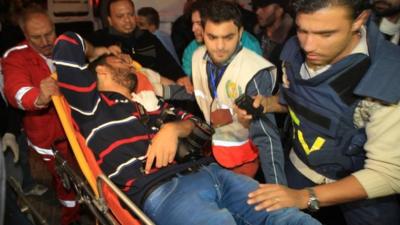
(247, 39)
(223, 70)
(388, 19)
(341, 89)
(141, 45)
(139, 156)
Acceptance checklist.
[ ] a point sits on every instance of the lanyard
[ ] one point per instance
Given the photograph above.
(215, 77)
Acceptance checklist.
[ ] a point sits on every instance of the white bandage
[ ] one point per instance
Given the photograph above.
(148, 99)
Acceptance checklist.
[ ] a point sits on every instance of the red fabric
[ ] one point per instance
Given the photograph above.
(234, 156)
(143, 83)
(249, 169)
(26, 68)
(78, 89)
(66, 38)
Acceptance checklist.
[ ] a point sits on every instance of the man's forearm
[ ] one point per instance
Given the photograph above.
(93, 53)
(177, 92)
(345, 190)
(90, 49)
(183, 128)
(271, 104)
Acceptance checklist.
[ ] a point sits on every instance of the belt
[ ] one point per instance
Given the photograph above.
(153, 187)
(307, 171)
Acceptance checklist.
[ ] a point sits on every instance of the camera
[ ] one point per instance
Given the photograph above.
(196, 144)
(193, 146)
(246, 102)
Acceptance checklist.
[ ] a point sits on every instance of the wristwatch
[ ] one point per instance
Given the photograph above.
(313, 203)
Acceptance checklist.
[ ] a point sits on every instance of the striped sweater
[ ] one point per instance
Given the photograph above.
(110, 123)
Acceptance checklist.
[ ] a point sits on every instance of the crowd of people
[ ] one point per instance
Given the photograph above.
(302, 92)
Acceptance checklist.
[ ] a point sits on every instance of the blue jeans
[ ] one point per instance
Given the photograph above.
(214, 196)
(378, 211)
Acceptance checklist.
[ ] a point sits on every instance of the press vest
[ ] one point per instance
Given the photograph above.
(322, 108)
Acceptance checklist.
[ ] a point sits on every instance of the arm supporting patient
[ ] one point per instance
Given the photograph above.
(164, 144)
(345, 190)
(379, 177)
(270, 104)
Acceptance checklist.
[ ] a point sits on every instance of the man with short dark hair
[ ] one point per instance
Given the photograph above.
(141, 45)
(341, 89)
(247, 39)
(274, 27)
(223, 70)
(139, 156)
(149, 19)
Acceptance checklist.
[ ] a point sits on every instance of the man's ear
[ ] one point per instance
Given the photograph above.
(102, 70)
(153, 28)
(361, 20)
(240, 33)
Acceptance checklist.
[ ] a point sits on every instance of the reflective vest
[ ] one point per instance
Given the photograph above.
(231, 145)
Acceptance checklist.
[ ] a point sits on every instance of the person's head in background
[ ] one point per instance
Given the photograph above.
(148, 19)
(387, 8)
(268, 11)
(328, 30)
(195, 11)
(222, 24)
(38, 29)
(188, 4)
(121, 16)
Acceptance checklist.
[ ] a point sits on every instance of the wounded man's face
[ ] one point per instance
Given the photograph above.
(122, 71)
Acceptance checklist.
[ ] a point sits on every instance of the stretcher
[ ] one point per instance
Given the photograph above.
(103, 198)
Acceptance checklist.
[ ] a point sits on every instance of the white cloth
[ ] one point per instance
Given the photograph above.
(9, 141)
(392, 29)
(148, 99)
(49, 63)
(155, 80)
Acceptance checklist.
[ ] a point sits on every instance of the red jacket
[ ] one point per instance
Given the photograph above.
(23, 69)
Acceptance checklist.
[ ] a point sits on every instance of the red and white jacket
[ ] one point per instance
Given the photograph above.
(23, 69)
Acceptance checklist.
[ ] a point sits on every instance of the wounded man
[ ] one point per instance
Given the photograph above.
(135, 146)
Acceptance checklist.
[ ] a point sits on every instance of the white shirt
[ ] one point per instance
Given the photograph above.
(391, 29)
(49, 63)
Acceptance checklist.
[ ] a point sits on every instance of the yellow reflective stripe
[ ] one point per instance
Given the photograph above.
(318, 143)
(294, 117)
